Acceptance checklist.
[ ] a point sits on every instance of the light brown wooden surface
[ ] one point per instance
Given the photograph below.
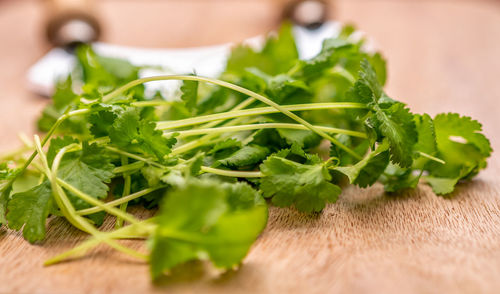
(443, 56)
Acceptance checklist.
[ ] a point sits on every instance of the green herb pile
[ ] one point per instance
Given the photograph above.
(271, 130)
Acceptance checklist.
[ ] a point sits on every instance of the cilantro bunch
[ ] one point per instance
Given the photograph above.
(271, 129)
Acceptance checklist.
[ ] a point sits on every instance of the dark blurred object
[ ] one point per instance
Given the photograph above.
(70, 22)
(307, 13)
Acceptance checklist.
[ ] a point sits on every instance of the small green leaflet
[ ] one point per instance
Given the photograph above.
(397, 125)
(247, 155)
(189, 95)
(460, 144)
(394, 122)
(368, 170)
(278, 55)
(130, 132)
(288, 183)
(88, 170)
(207, 220)
(30, 209)
(64, 94)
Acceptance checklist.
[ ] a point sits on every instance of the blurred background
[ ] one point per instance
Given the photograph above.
(442, 54)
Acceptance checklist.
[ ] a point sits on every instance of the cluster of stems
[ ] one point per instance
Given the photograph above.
(209, 127)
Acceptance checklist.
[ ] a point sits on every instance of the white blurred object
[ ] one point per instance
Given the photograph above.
(208, 61)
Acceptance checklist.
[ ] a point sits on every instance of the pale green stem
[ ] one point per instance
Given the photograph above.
(91, 200)
(439, 160)
(126, 191)
(237, 88)
(128, 167)
(69, 211)
(202, 141)
(250, 127)
(134, 156)
(43, 142)
(152, 103)
(165, 125)
(222, 172)
(232, 173)
(128, 232)
(119, 201)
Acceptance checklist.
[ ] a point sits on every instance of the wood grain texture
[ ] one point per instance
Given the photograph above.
(443, 56)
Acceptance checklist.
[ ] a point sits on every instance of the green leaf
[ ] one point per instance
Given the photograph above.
(184, 171)
(104, 73)
(132, 133)
(56, 144)
(277, 56)
(64, 95)
(288, 183)
(366, 172)
(207, 220)
(303, 138)
(398, 126)
(247, 155)
(460, 144)
(88, 170)
(396, 178)
(189, 95)
(230, 143)
(31, 209)
(426, 136)
(442, 186)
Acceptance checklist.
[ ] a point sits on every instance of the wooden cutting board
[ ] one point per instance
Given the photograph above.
(443, 56)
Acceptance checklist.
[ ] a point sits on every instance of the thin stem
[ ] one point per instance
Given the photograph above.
(119, 201)
(250, 127)
(69, 211)
(126, 191)
(432, 157)
(134, 156)
(222, 172)
(238, 89)
(43, 142)
(128, 167)
(232, 173)
(202, 141)
(91, 200)
(151, 103)
(132, 231)
(165, 125)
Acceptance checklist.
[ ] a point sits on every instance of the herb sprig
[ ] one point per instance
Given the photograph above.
(211, 154)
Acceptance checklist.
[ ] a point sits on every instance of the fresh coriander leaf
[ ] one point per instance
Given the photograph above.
(426, 135)
(288, 183)
(130, 132)
(278, 55)
(64, 95)
(181, 173)
(88, 170)
(303, 138)
(247, 155)
(357, 145)
(217, 222)
(442, 186)
(397, 125)
(189, 95)
(230, 143)
(460, 144)
(366, 172)
(396, 178)
(31, 209)
(56, 144)
(102, 118)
